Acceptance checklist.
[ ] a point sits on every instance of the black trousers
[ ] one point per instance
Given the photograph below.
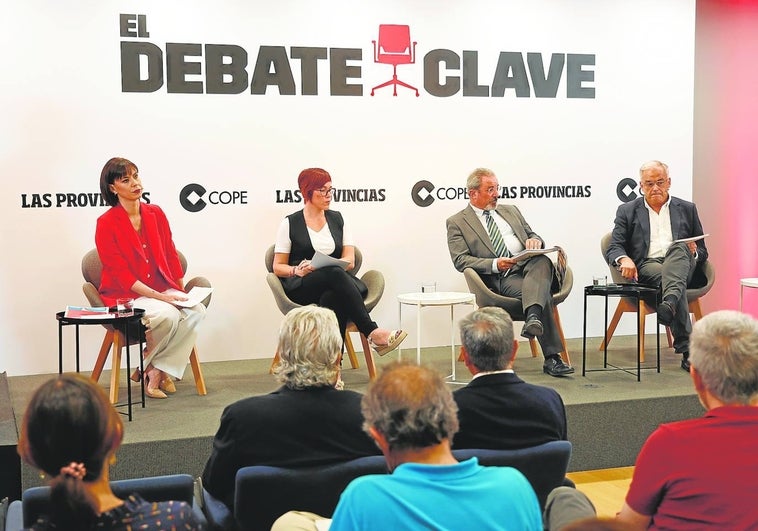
(338, 290)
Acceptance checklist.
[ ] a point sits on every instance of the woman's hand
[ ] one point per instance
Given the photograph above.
(303, 268)
(170, 298)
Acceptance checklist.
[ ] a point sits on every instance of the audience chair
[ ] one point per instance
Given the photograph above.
(35, 501)
(264, 493)
(373, 279)
(545, 465)
(92, 270)
(629, 305)
(486, 297)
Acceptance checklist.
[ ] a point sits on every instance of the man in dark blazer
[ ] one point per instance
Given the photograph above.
(644, 249)
(532, 280)
(307, 422)
(497, 409)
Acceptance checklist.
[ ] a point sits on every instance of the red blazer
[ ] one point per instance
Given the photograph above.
(125, 260)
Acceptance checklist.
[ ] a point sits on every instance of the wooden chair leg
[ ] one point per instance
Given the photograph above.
(274, 362)
(370, 365)
(197, 373)
(102, 356)
(118, 342)
(670, 337)
(696, 310)
(565, 353)
(533, 346)
(620, 309)
(349, 346)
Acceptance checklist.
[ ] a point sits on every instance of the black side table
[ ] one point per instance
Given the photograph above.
(120, 323)
(637, 292)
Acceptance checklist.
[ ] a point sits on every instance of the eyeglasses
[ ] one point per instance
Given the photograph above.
(660, 183)
(325, 191)
(491, 189)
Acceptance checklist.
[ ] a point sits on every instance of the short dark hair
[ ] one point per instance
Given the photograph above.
(114, 169)
(487, 336)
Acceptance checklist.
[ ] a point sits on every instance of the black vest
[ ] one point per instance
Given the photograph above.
(302, 248)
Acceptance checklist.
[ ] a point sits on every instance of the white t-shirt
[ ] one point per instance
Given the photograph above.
(321, 240)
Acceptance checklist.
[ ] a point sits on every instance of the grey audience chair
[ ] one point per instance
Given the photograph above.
(487, 297)
(92, 270)
(628, 305)
(373, 279)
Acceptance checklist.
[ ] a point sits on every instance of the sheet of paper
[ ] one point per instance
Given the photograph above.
(528, 253)
(693, 239)
(322, 260)
(195, 296)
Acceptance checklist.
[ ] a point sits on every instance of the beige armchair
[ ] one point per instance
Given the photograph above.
(486, 297)
(92, 270)
(373, 279)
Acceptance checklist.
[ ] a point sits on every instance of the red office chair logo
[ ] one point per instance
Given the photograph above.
(394, 48)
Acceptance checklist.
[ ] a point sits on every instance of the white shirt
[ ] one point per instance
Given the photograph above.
(506, 231)
(660, 230)
(321, 240)
(504, 371)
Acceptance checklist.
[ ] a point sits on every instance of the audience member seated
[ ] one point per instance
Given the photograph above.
(700, 473)
(307, 422)
(497, 409)
(71, 432)
(410, 413)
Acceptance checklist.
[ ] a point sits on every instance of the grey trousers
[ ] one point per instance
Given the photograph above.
(673, 273)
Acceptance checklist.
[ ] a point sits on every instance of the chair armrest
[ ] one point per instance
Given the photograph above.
(374, 280)
(93, 297)
(282, 301)
(14, 518)
(200, 282)
(219, 516)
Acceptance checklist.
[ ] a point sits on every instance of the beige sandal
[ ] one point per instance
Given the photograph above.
(396, 337)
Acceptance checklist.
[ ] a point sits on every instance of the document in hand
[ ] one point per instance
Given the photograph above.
(528, 253)
(195, 296)
(323, 260)
(88, 312)
(693, 239)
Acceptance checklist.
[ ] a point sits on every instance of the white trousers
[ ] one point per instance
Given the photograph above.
(171, 333)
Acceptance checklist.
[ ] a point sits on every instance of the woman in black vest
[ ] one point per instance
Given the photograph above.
(316, 228)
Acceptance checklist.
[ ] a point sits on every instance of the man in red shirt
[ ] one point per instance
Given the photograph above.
(701, 473)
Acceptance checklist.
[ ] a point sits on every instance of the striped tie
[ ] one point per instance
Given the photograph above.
(495, 236)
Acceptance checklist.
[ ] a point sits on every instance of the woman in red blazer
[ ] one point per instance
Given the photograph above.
(140, 261)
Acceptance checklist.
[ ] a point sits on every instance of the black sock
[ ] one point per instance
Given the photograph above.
(534, 311)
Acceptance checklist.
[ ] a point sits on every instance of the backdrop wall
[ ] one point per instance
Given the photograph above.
(221, 106)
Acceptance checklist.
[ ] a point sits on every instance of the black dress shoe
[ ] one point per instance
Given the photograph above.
(532, 328)
(666, 312)
(686, 363)
(554, 366)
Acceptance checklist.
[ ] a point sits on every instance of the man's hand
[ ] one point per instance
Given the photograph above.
(692, 246)
(628, 269)
(533, 243)
(504, 264)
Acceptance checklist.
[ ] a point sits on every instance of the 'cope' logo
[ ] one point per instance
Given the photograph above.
(421, 193)
(625, 190)
(191, 197)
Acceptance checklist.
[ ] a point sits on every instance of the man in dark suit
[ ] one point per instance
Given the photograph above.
(307, 422)
(497, 409)
(484, 236)
(644, 249)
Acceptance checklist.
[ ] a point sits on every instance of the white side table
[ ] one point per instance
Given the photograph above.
(437, 298)
(747, 283)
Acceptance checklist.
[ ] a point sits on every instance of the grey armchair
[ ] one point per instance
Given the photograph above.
(92, 270)
(373, 279)
(626, 305)
(486, 297)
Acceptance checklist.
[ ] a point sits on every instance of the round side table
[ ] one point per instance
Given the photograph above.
(437, 298)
